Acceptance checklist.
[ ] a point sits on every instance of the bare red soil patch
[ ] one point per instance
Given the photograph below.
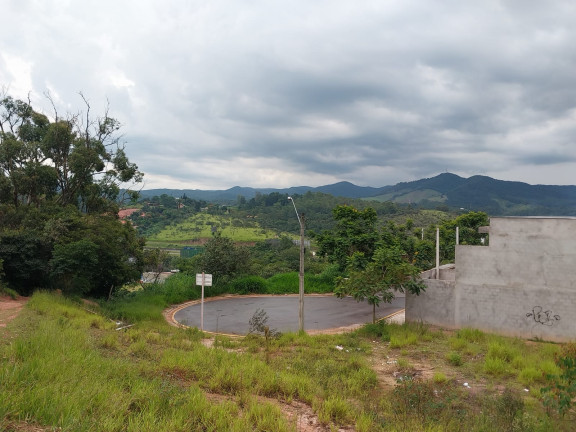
(9, 308)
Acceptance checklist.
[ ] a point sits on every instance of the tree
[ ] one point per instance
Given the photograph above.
(77, 160)
(74, 265)
(155, 261)
(26, 255)
(223, 259)
(59, 184)
(388, 271)
(468, 225)
(355, 232)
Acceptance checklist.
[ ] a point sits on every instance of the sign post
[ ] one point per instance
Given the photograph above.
(204, 280)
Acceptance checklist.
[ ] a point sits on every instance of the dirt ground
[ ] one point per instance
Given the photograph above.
(9, 308)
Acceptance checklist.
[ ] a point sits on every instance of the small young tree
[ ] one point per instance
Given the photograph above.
(156, 261)
(388, 271)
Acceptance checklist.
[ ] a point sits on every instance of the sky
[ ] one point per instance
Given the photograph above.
(273, 93)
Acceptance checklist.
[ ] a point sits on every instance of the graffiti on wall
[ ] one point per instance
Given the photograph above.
(543, 317)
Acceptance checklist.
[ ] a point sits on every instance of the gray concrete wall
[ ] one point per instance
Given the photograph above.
(434, 306)
(523, 284)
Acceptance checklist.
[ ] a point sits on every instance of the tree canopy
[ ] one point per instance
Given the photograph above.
(60, 181)
(77, 160)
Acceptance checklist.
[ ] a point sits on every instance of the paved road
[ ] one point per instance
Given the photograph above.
(231, 315)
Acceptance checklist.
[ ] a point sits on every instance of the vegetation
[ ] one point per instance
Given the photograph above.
(59, 185)
(67, 367)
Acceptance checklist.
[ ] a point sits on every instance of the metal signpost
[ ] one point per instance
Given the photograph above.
(204, 280)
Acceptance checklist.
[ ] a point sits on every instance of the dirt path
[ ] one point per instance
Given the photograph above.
(9, 309)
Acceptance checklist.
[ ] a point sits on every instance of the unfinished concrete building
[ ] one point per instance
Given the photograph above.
(522, 284)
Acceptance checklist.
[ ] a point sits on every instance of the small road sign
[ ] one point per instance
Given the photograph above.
(207, 279)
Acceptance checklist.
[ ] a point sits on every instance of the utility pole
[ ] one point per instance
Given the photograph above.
(301, 272)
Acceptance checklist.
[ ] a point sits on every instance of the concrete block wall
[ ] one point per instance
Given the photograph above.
(523, 284)
(434, 306)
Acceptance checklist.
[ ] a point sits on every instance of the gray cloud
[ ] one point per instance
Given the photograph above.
(219, 93)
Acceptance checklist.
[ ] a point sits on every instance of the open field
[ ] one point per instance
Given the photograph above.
(66, 367)
(201, 226)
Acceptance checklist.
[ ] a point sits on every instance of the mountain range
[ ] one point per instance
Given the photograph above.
(478, 193)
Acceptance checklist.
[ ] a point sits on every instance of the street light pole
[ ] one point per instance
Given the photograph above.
(301, 273)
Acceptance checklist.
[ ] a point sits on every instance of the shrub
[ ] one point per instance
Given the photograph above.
(561, 392)
(249, 285)
(9, 292)
(376, 330)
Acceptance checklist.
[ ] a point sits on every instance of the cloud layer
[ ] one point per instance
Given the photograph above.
(266, 93)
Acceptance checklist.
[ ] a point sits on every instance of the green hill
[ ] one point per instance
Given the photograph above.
(196, 229)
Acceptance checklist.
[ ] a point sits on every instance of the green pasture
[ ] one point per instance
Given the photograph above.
(203, 225)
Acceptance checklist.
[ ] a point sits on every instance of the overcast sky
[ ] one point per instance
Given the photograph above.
(277, 93)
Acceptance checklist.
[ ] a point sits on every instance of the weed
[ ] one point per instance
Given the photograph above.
(403, 364)
(495, 366)
(365, 422)
(403, 339)
(335, 409)
(530, 375)
(559, 395)
(498, 349)
(458, 344)
(439, 378)
(454, 359)
(471, 335)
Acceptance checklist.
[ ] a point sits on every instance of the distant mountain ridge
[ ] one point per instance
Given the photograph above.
(480, 193)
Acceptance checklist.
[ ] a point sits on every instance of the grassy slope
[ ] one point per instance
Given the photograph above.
(200, 227)
(64, 366)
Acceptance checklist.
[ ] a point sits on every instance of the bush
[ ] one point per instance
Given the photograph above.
(289, 283)
(249, 285)
(377, 330)
(560, 394)
(9, 292)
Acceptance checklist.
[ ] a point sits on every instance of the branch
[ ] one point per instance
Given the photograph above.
(48, 96)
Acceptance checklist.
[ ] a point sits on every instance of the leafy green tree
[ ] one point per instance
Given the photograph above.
(468, 225)
(355, 232)
(26, 256)
(78, 160)
(223, 259)
(74, 265)
(59, 182)
(388, 271)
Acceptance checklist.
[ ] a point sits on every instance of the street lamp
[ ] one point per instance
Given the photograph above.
(301, 273)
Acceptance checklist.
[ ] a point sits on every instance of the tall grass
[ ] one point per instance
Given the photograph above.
(288, 283)
(65, 367)
(57, 374)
